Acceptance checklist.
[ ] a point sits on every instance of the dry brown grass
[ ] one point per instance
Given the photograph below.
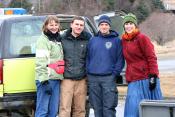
(167, 82)
(168, 50)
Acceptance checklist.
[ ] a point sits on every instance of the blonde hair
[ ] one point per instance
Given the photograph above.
(48, 20)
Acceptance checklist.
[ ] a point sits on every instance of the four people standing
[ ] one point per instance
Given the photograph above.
(101, 59)
(104, 63)
(142, 72)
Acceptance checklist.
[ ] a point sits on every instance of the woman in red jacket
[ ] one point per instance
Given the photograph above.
(142, 72)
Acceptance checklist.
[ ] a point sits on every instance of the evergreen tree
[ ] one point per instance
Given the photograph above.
(158, 4)
(109, 5)
(142, 12)
(1, 5)
(20, 4)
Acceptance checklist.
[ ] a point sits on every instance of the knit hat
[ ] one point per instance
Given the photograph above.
(130, 18)
(104, 18)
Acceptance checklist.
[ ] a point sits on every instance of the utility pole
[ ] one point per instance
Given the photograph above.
(39, 6)
(21, 3)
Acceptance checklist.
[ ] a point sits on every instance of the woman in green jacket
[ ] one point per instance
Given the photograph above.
(49, 68)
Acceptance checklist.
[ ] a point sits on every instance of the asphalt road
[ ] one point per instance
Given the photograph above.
(167, 65)
(119, 109)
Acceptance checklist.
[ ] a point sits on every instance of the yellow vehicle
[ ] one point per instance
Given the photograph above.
(18, 35)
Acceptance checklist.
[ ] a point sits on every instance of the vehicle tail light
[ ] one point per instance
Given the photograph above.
(1, 71)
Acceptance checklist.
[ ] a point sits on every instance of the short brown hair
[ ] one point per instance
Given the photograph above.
(77, 18)
(49, 19)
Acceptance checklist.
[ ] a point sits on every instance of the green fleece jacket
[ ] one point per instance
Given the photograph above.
(47, 52)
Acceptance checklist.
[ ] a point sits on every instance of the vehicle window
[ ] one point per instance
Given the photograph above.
(117, 24)
(88, 27)
(23, 37)
(64, 25)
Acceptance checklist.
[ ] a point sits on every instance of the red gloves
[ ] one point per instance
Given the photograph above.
(58, 66)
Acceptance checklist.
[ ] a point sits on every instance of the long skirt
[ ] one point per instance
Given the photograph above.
(137, 91)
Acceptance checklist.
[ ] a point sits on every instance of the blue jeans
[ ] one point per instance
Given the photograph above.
(103, 95)
(47, 104)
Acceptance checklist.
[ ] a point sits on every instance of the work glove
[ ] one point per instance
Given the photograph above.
(152, 81)
(45, 84)
(58, 66)
(119, 79)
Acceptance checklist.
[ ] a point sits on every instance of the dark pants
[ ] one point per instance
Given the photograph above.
(103, 95)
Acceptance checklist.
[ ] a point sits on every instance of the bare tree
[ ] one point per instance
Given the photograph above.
(77, 7)
(160, 27)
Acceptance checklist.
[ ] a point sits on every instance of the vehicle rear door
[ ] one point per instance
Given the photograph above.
(19, 54)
